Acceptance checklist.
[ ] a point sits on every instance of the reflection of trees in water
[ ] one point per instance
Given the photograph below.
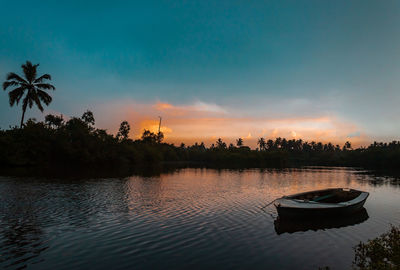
(22, 237)
(29, 209)
(379, 178)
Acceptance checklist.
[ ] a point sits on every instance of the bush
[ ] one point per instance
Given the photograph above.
(382, 252)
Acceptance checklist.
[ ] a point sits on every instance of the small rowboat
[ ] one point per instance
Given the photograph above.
(326, 202)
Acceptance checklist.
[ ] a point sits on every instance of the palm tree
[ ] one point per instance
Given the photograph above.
(31, 88)
(261, 143)
(220, 144)
(270, 144)
(347, 145)
(239, 142)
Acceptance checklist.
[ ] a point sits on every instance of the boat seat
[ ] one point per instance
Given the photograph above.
(322, 197)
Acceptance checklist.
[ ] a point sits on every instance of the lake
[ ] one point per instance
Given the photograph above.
(190, 218)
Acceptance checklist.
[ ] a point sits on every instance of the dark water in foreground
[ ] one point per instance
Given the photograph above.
(193, 218)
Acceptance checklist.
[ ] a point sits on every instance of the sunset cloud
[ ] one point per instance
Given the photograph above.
(250, 71)
(204, 122)
(198, 108)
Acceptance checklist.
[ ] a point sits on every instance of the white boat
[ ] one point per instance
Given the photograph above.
(332, 201)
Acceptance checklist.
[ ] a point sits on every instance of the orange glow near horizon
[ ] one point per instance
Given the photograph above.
(206, 123)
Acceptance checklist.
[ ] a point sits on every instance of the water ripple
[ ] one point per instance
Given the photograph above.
(193, 218)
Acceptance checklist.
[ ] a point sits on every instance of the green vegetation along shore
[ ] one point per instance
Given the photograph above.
(76, 142)
(57, 143)
(380, 253)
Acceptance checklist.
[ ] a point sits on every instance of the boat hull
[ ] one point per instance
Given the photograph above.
(289, 208)
(295, 212)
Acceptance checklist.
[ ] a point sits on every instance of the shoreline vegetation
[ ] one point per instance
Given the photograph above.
(380, 253)
(56, 144)
(76, 143)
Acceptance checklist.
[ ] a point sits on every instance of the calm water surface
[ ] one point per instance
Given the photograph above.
(192, 218)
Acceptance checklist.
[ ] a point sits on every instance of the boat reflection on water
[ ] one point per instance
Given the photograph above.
(285, 225)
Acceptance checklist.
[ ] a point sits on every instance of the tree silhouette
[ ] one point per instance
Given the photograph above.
(31, 88)
(53, 121)
(123, 132)
(56, 142)
(270, 144)
(220, 144)
(239, 142)
(149, 137)
(347, 146)
(284, 144)
(88, 118)
(202, 146)
(278, 142)
(313, 145)
(160, 137)
(261, 143)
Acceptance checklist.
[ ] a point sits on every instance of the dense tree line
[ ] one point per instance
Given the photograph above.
(76, 142)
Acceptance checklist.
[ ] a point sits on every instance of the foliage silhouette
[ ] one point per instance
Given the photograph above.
(220, 144)
(150, 137)
(76, 142)
(88, 118)
(123, 131)
(261, 143)
(380, 253)
(239, 142)
(53, 121)
(31, 89)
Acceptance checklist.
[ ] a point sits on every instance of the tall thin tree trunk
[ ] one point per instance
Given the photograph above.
(23, 115)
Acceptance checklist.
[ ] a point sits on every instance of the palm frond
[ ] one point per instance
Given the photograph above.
(16, 94)
(45, 86)
(43, 77)
(30, 71)
(16, 77)
(6, 84)
(37, 101)
(28, 100)
(46, 98)
(31, 90)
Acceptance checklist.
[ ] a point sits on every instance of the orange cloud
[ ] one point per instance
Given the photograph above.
(153, 125)
(162, 106)
(206, 122)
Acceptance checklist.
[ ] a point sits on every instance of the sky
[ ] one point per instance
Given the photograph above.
(316, 70)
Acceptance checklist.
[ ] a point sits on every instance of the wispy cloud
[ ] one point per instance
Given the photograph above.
(201, 121)
(354, 134)
(198, 108)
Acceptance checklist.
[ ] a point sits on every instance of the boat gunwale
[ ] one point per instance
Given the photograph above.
(303, 204)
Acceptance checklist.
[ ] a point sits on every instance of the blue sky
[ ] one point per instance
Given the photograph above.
(252, 59)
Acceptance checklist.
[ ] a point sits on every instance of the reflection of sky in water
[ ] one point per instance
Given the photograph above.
(193, 217)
